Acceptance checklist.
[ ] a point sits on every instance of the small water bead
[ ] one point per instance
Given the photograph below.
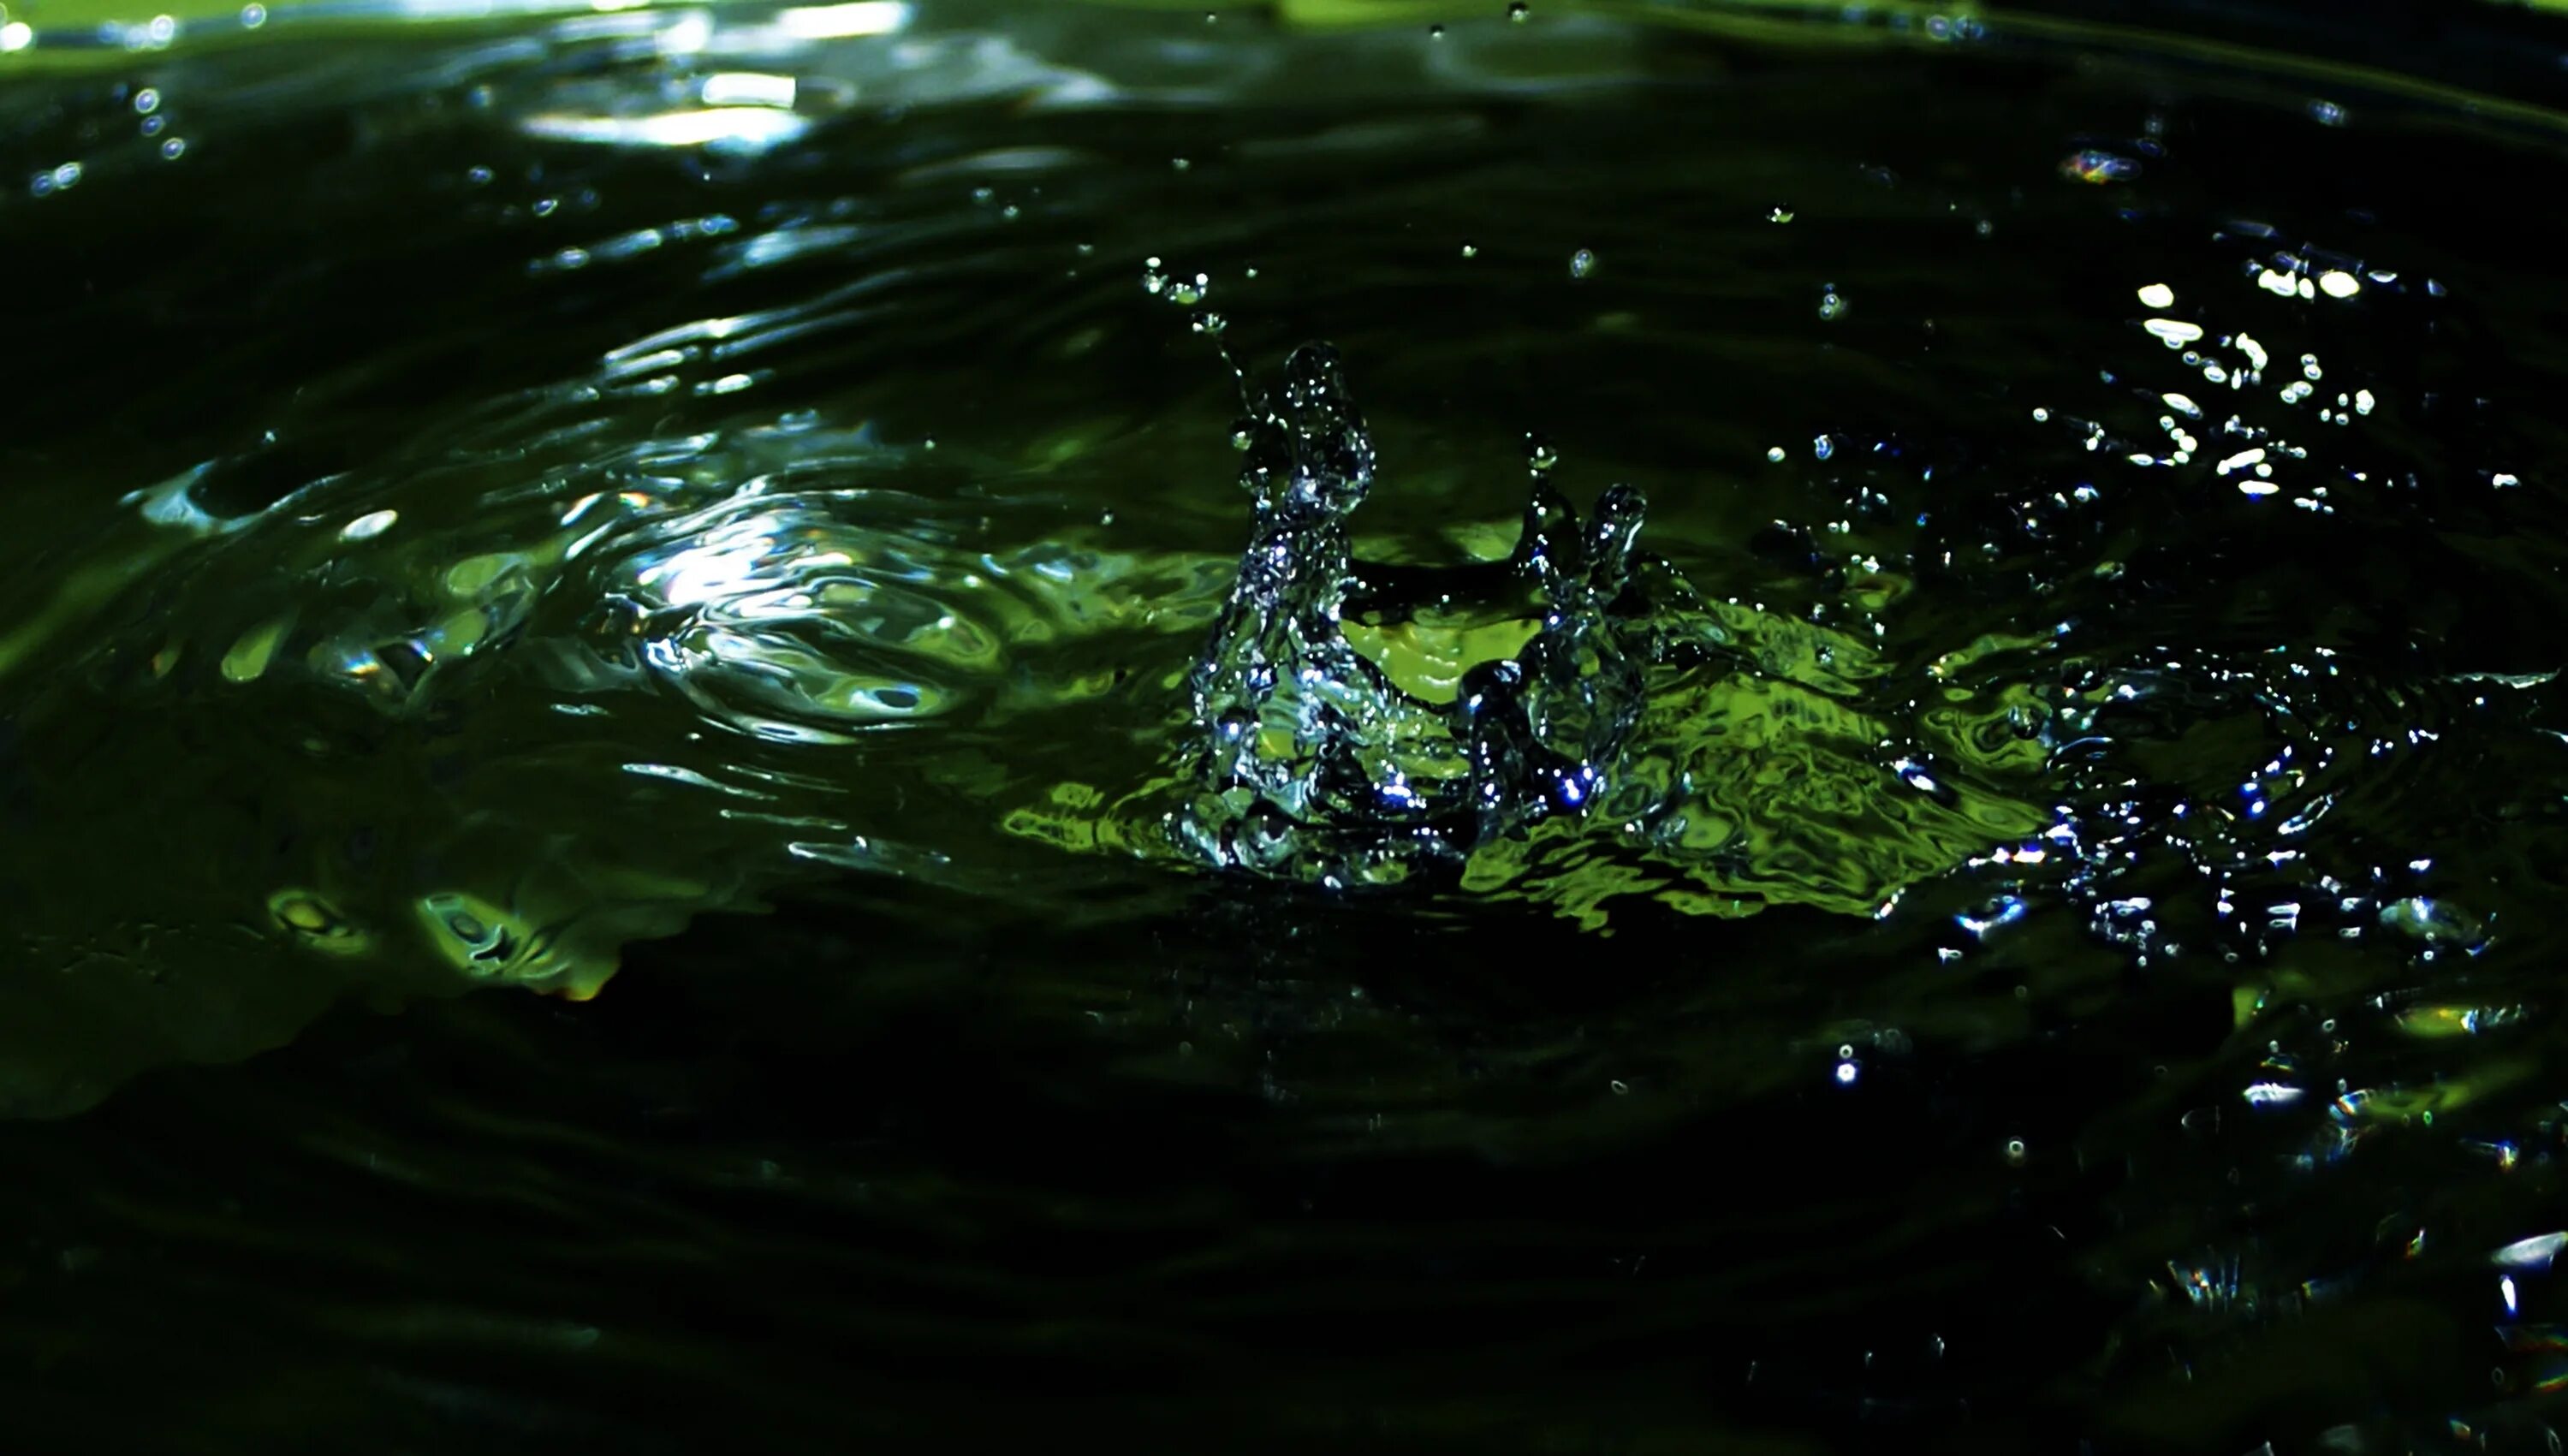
(1539, 454)
(1832, 304)
(1778, 214)
(1435, 32)
(1582, 263)
(1470, 251)
(1776, 453)
(1519, 12)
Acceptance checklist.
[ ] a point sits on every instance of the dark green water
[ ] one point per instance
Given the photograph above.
(552, 507)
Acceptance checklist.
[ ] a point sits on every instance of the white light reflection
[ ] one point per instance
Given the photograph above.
(2533, 1253)
(368, 526)
(749, 128)
(838, 21)
(17, 35)
(748, 88)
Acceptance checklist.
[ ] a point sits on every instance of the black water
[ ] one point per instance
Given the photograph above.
(2115, 1010)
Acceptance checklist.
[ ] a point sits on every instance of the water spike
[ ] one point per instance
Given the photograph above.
(1611, 537)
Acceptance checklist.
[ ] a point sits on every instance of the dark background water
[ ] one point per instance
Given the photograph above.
(923, 1160)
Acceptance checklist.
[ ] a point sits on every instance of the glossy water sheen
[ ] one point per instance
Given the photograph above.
(2017, 908)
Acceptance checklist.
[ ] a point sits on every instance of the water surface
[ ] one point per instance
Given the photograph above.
(714, 517)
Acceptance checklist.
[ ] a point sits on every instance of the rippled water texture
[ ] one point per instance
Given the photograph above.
(2013, 905)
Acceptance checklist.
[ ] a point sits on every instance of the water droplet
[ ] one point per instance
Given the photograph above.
(1435, 32)
(1621, 1087)
(1470, 251)
(2015, 1154)
(1832, 304)
(2158, 295)
(1581, 263)
(1778, 214)
(147, 101)
(1179, 162)
(1775, 454)
(1539, 454)
(1519, 12)
(253, 16)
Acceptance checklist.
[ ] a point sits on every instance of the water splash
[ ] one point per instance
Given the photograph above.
(1318, 762)
(1356, 724)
